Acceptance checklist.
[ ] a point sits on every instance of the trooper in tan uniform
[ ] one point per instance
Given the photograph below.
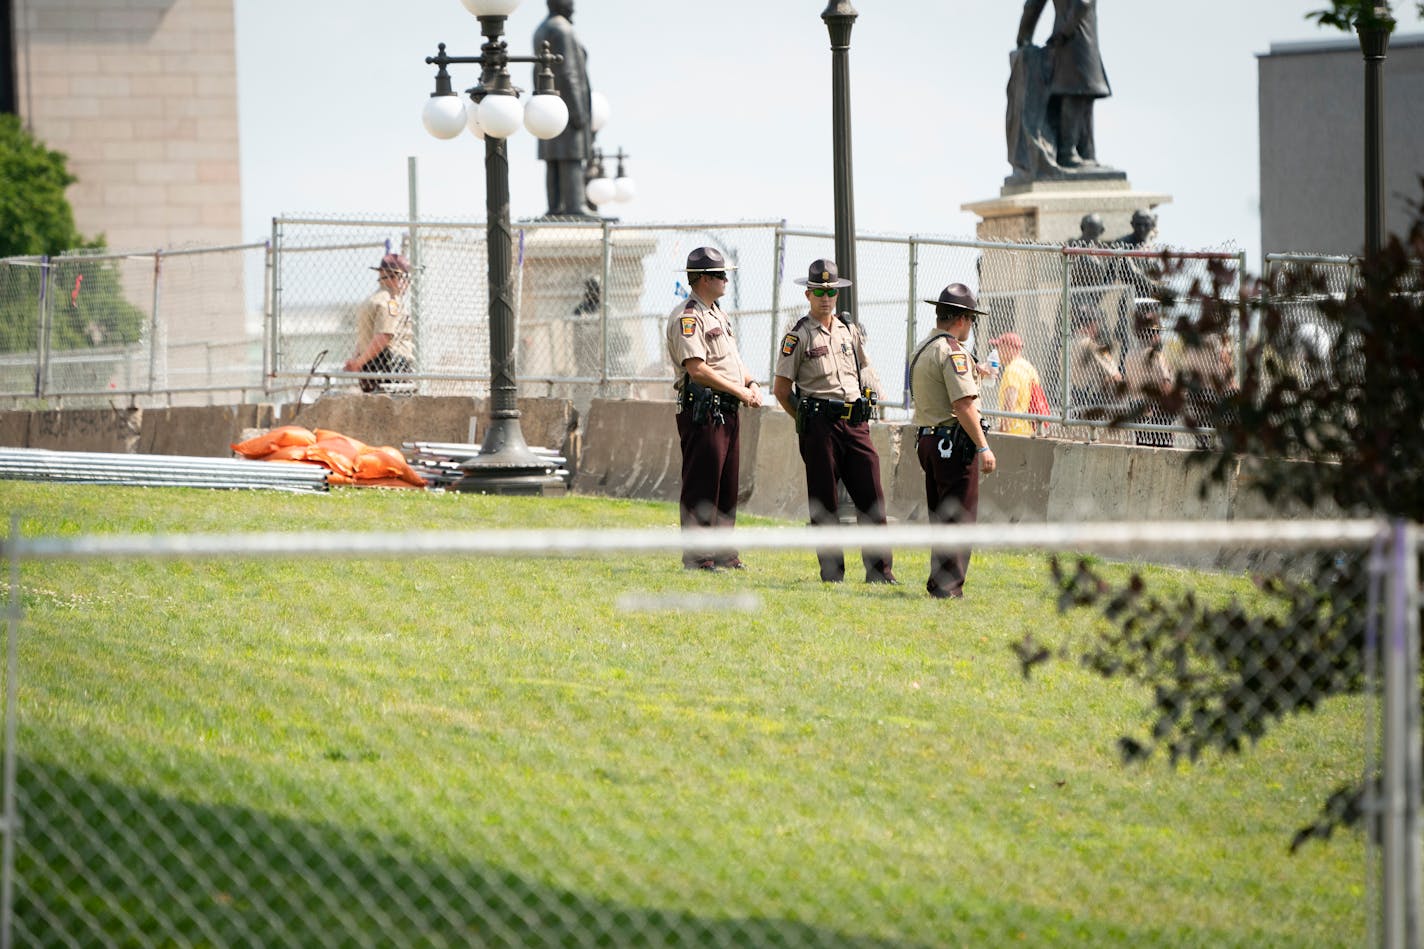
(951, 443)
(711, 384)
(384, 341)
(824, 381)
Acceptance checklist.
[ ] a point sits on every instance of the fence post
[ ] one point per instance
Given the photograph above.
(267, 367)
(1401, 773)
(603, 296)
(11, 819)
(153, 340)
(274, 284)
(42, 370)
(413, 225)
(778, 252)
(1065, 334)
(912, 278)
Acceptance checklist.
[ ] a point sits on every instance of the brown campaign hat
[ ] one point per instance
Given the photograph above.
(393, 263)
(707, 260)
(959, 297)
(822, 273)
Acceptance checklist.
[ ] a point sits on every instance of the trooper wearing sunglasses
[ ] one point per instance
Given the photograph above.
(712, 383)
(824, 380)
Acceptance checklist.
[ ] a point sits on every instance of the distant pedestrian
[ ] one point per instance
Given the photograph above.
(712, 383)
(823, 381)
(385, 342)
(951, 443)
(1017, 385)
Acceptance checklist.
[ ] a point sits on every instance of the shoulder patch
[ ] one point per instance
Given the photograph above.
(788, 344)
(961, 363)
(393, 306)
(689, 326)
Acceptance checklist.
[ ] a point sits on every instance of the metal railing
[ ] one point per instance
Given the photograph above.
(591, 303)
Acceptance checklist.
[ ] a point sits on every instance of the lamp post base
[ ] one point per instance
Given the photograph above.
(506, 465)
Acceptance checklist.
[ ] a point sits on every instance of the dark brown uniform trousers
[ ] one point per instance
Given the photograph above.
(952, 495)
(835, 450)
(710, 463)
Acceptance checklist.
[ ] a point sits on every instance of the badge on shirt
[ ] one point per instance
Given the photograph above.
(689, 326)
(788, 344)
(961, 363)
(714, 332)
(393, 307)
(816, 352)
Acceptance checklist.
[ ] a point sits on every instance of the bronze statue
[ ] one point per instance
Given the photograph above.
(566, 153)
(1144, 226)
(1052, 91)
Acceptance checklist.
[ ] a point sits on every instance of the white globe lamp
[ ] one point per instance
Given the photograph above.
(491, 7)
(600, 109)
(500, 115)
(546, 115)
(601, 191)
(472, 120)
(444, 116)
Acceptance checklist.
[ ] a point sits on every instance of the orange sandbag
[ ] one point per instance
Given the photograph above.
(335, 460)
(339, 443)
(287, 453)
(388, 483)
(261, 445)
(385, 462)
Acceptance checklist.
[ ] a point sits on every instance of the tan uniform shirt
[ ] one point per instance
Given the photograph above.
(696, 330)
(822, 361)
(943, 374)
(383, 313)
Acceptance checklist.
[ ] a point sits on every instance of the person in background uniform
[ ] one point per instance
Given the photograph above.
(1094, 370)
(1147, 374)
(822, 381)
(711, 384)
(1016, 385)
(384, 341)
(952, 446)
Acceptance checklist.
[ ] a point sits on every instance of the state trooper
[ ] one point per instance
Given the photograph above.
(951, 441)
(712, 383)
(824, 380)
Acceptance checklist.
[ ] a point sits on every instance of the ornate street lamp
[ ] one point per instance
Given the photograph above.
(1374, 27)
(606, 189)
(839, 17)
(505, 464)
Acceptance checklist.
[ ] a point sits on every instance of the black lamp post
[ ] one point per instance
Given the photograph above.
(505, 464)
(839, 17)
(1374, 28)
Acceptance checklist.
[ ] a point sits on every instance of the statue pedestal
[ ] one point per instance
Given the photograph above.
(561, 332)
(1024, 291)
(1050, 211)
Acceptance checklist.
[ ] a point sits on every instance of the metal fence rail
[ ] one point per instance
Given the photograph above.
(591, 300)
(130, 822)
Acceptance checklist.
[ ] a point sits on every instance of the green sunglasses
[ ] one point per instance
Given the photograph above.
(825, 291)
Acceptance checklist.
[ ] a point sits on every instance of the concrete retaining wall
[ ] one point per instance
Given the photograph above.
(629, 449)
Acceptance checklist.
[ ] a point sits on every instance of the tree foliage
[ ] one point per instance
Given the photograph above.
(1338, 426)
(35, 216)
(1351, 15)
(81, 301)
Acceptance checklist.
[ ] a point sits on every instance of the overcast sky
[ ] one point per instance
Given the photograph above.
(725, 108)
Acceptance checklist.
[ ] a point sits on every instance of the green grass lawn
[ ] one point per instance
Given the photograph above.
(474, 751)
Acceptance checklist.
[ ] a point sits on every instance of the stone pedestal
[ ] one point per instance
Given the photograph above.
(562, 285)
(1050, 211)
(1023, 290)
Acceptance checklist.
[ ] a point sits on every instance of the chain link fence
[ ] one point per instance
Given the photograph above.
(238, 772)
(84, 327)
(591, 301)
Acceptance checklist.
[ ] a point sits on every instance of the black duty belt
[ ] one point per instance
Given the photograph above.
(853, 412)
(724, 401)
(938, 431)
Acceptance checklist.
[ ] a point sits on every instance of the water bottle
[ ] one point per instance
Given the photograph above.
(994, 363)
